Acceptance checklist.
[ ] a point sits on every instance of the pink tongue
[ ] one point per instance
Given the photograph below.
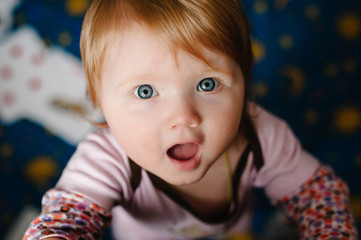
(183, 151)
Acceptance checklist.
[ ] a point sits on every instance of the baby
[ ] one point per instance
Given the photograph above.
(182, 145)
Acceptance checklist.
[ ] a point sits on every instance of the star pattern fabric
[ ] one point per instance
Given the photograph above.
(307, 71)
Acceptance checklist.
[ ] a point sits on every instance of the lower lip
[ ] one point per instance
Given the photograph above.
(186, 165)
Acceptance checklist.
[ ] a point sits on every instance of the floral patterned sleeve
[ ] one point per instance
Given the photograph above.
(68, 216)
(321, 208)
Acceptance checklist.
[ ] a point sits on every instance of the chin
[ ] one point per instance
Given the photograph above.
(186, 179)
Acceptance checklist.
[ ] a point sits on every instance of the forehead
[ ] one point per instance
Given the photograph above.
(146, 49)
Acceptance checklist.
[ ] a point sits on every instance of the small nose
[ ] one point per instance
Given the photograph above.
(183, 114)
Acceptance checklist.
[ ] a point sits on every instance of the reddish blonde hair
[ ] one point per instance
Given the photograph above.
(219, 25)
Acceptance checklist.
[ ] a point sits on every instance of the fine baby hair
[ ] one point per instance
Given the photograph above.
(182, 144)
(219, 25)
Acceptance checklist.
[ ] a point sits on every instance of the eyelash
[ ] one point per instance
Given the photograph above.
(215, 84)
(146, 87)
(149, 91)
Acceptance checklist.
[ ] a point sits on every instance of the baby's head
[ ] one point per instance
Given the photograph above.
(169, 77)
(218, 25)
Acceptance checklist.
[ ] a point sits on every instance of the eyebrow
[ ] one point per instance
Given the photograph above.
(136, 77)
(209, 71)
(219, 68)
(213, 66)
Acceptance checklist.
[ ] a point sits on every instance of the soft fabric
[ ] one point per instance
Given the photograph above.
(100, 172)
(321, 208)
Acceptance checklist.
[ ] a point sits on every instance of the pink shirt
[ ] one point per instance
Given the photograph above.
(100, 171)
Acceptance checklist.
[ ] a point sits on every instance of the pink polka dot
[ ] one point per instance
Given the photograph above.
(34, 83)
(6, 72)
(37, 58)
(8, 98)
(16, 50)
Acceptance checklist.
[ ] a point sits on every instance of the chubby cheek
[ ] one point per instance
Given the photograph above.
(134, 136)
(137, 138)
(223, 127)
(225, 132)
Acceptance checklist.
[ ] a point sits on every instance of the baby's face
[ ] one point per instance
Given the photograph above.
(173, 114)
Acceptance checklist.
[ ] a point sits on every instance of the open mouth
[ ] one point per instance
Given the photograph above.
(183, 152)
(184, 157)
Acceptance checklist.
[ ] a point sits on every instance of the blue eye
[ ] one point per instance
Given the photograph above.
(144, 92)
(207, 85)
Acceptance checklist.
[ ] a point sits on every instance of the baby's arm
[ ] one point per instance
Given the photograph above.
(68, 216)
(99, 172)
(321, 207)
(316, 199)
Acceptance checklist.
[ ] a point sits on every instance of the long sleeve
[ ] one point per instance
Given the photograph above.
(68, 216)
(310, 193)
(321, 207)
(95, 179)
(286, 164)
